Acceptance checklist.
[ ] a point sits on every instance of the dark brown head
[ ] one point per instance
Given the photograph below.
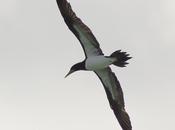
(77, 67)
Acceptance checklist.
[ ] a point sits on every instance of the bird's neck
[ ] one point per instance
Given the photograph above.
(80, 65)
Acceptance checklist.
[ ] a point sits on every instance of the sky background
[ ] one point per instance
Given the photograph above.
(37, 50)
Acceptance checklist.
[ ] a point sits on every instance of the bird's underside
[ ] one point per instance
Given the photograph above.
(91, 48)
(98, 62)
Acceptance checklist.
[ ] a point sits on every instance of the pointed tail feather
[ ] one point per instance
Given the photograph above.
(121, 57)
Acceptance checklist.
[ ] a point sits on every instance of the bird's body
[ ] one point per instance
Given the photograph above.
(96, 61)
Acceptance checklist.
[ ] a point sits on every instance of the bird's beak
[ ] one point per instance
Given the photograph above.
(70, 72)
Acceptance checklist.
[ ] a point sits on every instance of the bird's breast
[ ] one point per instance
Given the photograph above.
(98, 62)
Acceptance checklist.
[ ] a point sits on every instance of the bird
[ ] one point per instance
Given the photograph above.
(97, 62)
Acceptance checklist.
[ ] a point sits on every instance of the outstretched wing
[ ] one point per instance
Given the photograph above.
(115, 96)
(88, 41)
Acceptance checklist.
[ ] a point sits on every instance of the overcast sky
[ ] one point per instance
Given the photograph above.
(37, 50)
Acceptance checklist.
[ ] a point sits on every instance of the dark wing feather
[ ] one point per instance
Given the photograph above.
(115, 96)
(82, 32)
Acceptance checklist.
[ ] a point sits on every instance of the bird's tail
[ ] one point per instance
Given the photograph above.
(121, 57)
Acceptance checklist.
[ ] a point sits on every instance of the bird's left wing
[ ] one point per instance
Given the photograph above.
(88, 41)
(115, 96)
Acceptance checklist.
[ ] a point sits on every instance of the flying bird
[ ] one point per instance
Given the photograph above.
(96, 61)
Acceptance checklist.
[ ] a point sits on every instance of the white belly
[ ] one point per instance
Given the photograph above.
(98, 62)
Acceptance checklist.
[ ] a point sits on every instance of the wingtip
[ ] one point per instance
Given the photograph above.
(123, 118)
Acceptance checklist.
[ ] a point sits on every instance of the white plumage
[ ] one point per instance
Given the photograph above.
(98, 62)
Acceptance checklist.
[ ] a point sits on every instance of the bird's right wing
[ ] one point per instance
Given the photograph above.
(88, 41)
(115, 96)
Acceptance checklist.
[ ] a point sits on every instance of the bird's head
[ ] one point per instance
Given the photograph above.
(76, 67)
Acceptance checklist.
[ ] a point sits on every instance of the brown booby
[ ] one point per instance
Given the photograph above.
(97, 62)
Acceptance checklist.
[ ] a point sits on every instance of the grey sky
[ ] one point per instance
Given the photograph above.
(37, 50)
